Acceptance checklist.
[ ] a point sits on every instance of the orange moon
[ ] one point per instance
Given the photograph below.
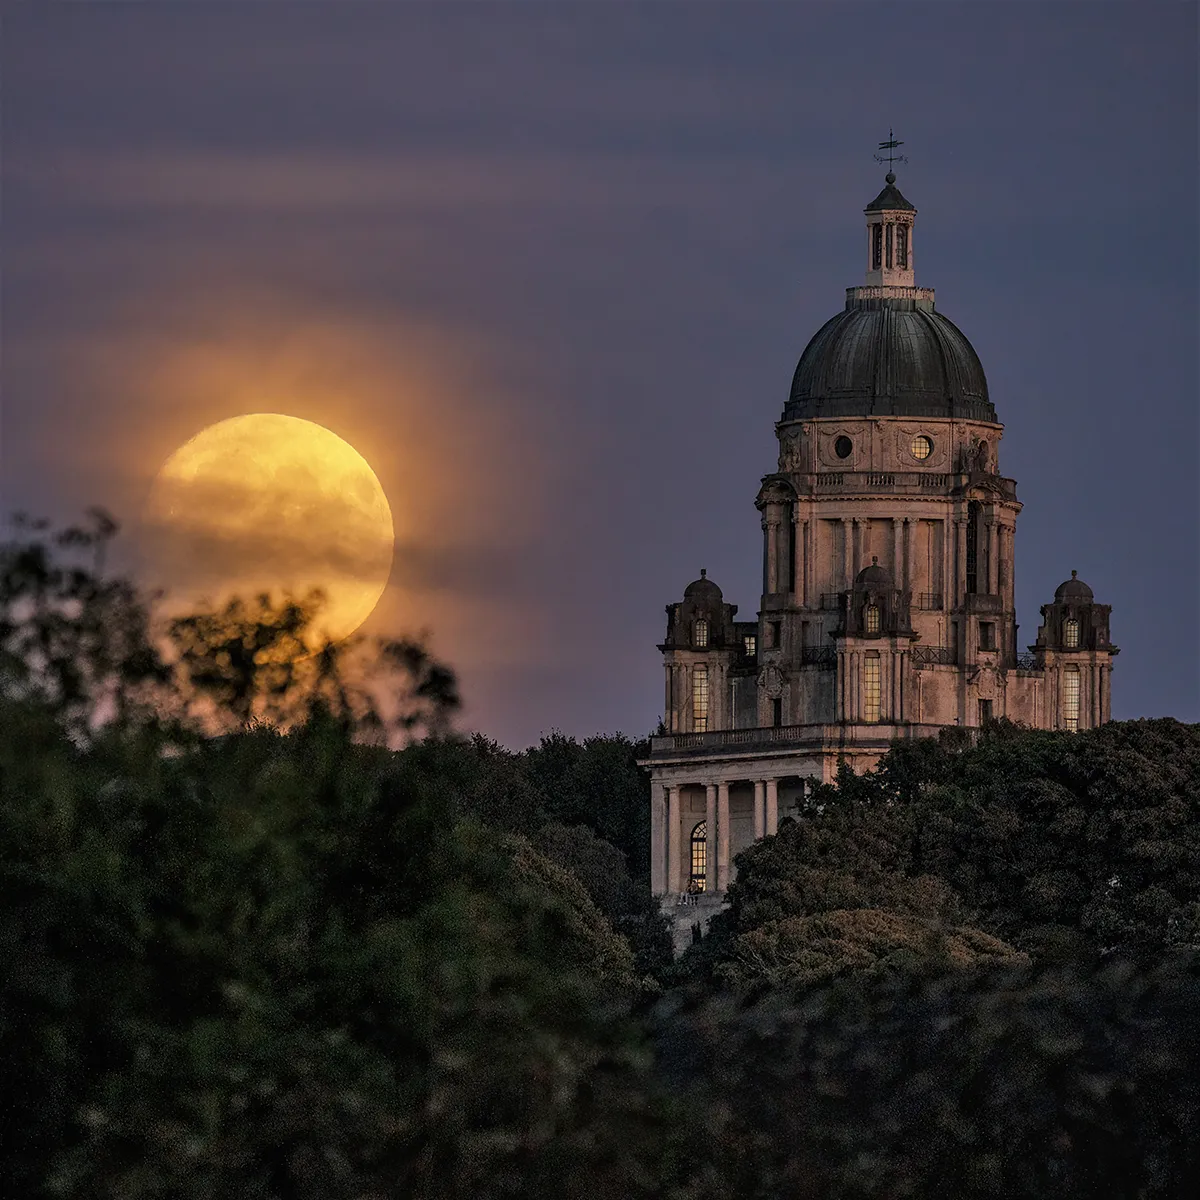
(270, 503)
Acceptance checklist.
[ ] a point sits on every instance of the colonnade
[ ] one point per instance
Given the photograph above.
(671, 849)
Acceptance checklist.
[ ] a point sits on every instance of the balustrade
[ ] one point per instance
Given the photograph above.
(933, 656)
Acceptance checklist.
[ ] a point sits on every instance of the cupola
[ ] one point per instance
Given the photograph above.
(875, 607)
(1074, 622)
(703, 621)
(890, 220)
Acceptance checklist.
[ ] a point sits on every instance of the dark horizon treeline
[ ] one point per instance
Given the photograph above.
(271, 930)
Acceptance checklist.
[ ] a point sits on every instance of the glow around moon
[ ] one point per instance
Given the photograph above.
(270, 503)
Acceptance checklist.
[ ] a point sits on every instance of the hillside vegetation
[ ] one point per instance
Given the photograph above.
(270, 929)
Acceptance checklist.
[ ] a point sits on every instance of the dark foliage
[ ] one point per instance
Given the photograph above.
(269, 931)
(1072, 1081)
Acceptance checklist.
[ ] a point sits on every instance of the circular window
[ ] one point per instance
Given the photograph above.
(842, 447)
(922, 447)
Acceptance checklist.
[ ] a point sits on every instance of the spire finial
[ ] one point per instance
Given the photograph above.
(891, 145)
(874, 560)
(704, 573)
(1074, 574)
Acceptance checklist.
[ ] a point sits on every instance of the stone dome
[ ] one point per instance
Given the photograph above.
(1073, 589)
(873, 578)
(889, 356)
(702, 589)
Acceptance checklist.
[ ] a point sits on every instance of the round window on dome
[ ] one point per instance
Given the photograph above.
(843, 447)
(922, 447)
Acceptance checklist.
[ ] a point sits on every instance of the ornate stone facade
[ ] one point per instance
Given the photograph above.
(887, 607)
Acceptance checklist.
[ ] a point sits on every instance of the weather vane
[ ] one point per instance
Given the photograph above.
(890, 146)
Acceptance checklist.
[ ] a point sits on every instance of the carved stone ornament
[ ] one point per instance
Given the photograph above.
(791, 453)
(977, 458)
(774, 491)
(771, 681)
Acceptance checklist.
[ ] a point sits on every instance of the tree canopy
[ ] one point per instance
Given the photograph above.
(271, 929)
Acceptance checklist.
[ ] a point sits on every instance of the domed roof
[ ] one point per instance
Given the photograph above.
(1073, 589)
(702, 589)
(874, 576)
(889, 356)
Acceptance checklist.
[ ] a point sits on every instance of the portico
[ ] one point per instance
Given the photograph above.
(714, 794)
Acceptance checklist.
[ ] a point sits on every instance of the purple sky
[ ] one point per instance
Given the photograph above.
(550, 269)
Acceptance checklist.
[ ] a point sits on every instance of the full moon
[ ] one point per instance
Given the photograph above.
(270, 503)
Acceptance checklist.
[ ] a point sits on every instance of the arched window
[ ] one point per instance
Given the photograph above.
(871, 619)
(700, 634)
(1071, 633)
(1071, 699)
(699, 875)
(902, 247)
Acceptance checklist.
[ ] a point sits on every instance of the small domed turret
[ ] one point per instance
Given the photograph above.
(702, 589)
(874, 576)
(1073, 589)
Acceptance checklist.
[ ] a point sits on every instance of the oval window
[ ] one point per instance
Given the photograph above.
(922, 447)
(843, 446)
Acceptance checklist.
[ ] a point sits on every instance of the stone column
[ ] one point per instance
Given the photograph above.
(856, 560)
(760, 823)
(710, 836)
(658, 831)
(772, 806)
(847, 553)
(898, 551)
(947, 586)
(811, 533)
(798, 566)
(674, 858)
(961, 570)
(722, 836)
(772, 557)
(909, 575)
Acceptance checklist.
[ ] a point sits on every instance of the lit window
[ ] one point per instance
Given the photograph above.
(1071, 633)
(699, 874)
(902, 249)
(700, 698)
(700, 634)
(1071, 698)
(871, 688)
(922, 447)
(751, 645)
(871, 618)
